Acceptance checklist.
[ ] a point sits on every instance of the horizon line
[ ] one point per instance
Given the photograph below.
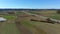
(25, 8)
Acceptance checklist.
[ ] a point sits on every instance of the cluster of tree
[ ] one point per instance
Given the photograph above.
(58, 11)
(25, 9)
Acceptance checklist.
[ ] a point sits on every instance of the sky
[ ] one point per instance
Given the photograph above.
(34, 4)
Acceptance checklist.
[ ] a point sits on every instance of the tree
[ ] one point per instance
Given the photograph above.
(58, 11)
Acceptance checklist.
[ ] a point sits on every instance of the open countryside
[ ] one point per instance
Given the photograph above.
(29, 21)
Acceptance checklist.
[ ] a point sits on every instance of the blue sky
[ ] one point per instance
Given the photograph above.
(42, 4)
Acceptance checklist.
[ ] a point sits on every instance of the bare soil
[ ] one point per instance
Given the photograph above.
(20, 26)
(27, 30)
(23, 29)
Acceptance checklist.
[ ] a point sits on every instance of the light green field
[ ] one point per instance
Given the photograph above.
(50, 14)
(10, 17)
(8, 28)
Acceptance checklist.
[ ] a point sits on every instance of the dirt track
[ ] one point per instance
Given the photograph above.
(48, 28)
(29, 30)
(23, 29)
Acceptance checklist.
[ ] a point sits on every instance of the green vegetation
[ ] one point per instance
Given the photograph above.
(56, 16)
(36, 27)
(8, 28)
(33, 12)
(19, 13)
(10, 17)
(33, 27)
(50, 14)
(11, 29)
(27, 23)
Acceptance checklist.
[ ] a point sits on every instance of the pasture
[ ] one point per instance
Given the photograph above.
(50, 14)
(23, 25)
(8, 28)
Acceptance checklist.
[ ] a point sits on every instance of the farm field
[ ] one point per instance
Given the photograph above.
(41, 27)
(8, 28)
(20, 23)
(50, 14)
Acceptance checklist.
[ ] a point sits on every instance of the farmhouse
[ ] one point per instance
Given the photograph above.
(2, 19)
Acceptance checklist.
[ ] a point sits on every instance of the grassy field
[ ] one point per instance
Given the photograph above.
(19, 12)
(33, 12)
(8, 28)
(10, 17)
(56, 16)
(50, 14)
(34, 27)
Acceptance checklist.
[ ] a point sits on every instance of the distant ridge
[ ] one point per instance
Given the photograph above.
(26, 9)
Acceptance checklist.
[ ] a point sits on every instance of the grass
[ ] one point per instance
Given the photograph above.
(10, 17)
(9, 28)
(33, 28)
(50, 14)
(19, 13)
(27, 23)
(56, 16)
(33, 12)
